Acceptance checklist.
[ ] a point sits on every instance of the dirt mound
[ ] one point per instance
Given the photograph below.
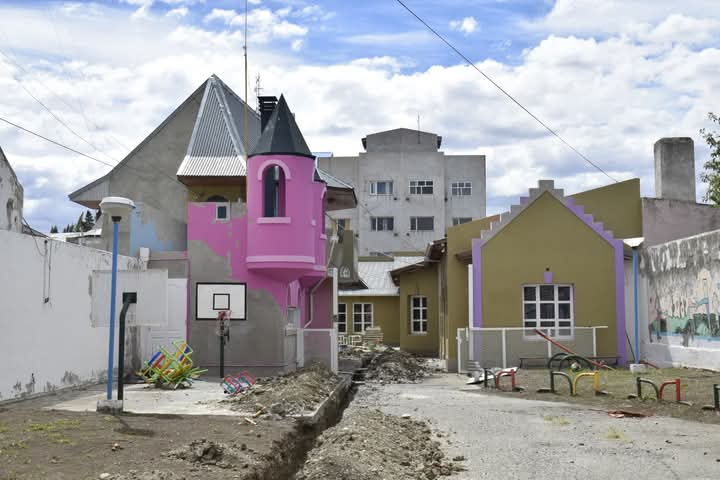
(394, 366)
(135, 475)
(297, 392)
(368, 444)
(206, 452)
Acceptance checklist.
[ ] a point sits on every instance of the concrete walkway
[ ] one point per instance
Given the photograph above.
(510, 438)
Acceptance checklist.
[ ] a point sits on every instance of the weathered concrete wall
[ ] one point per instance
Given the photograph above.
(11, 197)
(47, 340)
(394, 155)
(681, 304)
(217, 252)
(675, 168)
(155, 229)
(666, 220)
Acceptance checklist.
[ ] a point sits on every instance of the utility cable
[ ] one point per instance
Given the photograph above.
(496, 85)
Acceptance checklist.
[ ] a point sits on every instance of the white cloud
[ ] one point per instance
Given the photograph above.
(296, 44)
(177, 12)
(466, 25)
(410, 37)
(220, 14)
(263, 23)
(610, 95)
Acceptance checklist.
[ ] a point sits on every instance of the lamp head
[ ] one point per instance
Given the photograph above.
(634, 242)
(116, 207)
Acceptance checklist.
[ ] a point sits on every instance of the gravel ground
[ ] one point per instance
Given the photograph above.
(505, 437)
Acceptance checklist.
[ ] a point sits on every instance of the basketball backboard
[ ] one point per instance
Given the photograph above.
(211, 298)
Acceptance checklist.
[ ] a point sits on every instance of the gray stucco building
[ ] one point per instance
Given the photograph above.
(409, 191)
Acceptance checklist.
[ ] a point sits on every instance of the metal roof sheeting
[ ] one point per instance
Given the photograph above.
(376, 275)
(216, 147)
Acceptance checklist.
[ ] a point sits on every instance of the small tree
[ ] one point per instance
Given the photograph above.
(89, 221)
(54, 229)
(80, 224)
(711, 169)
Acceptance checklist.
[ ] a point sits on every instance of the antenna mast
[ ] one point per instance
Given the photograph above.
(247, 147)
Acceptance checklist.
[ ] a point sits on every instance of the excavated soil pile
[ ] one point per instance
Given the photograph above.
(393, 366)
(368, 445)
(297, 392)
(135, 475)
(205, 452)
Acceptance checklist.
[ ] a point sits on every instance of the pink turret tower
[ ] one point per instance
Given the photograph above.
(286, 204)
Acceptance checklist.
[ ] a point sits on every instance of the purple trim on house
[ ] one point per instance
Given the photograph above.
(547, 277)
(273, 161)
(477, 282)
(617, 245)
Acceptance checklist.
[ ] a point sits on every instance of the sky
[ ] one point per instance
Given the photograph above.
(611, 77)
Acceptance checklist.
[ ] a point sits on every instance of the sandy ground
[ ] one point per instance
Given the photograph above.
(506, 437)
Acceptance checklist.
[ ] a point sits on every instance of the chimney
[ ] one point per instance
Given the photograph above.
(675, 169)
(267, 105)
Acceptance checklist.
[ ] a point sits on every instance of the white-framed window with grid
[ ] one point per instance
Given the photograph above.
(382, 224)
(422, 224)
(550, 309)
(381, 187)
(421, 187)
(418, 315)
(461, 189)
(362, 317)
(342, 318)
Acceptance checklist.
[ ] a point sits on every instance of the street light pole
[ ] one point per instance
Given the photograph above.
(115, 208)
(113, 290)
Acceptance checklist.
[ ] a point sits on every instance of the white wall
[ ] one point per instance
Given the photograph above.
(46, 338)
(11, 197)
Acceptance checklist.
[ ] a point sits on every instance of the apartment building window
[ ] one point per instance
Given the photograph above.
(422, 224)
(461, 189)
(382, 187)
(421, 187)
(548, 308)
(461, 220)
(418, 314)
(362, 317)
(342, 318)
(382, 224)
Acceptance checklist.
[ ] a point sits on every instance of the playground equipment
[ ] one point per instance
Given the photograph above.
(573, 381)
(716, 399)
(505, 373)
(639, 381)
(562, 358)
(235, 384)
(566, 349)
(171, 369)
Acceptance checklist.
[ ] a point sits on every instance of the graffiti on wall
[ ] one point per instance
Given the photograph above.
(684, 308)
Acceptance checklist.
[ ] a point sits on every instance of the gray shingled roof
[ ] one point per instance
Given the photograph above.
(217, 145)
(282, 135)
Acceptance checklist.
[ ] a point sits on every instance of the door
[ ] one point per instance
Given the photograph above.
(163, 336)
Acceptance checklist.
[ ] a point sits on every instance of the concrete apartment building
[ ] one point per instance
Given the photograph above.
(409, 191)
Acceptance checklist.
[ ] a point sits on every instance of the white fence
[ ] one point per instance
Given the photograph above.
(504, 347)
(47, 341)
(318, 345)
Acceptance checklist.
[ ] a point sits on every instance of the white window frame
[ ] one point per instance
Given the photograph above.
(342, 318)
(366, 309)
(457, 220)
(422, 315)
(549, 326)
(461, 189)
(227, 211)
(374, 187)
(422, 187)
(414, 224)
(379, 224)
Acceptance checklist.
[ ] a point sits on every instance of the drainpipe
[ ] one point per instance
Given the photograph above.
(635, 288)
(333, 242)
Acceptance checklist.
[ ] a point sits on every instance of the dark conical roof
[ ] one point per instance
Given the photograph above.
(282, 135)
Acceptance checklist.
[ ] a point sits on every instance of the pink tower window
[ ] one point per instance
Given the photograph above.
(273, 192)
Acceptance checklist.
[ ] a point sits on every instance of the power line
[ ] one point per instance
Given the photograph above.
(121, 165)
(496, 85)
